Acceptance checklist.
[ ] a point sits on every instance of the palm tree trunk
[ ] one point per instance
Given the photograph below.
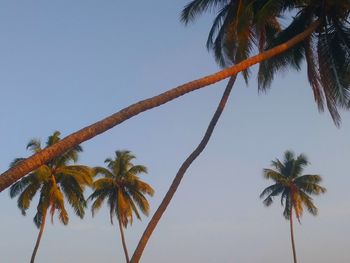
(292, 234)
(176, 182)
(33, 162)
(39, 237)
(123, 242)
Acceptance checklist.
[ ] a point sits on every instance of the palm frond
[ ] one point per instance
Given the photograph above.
(40, 214)
(54, 138)
(292, 58)
(332, 56)
(141, 202)
(103, 171)
(16, 161)
(34, 145)
(308, 202)
(57, 199)
(99, 197)
(198, 7)
(112, 203)
(276, 191)
(275, 176)
(27, 195)
(137, 169)
(74, 194)
(217, 24)
(298, 165)
(134, 208)
(311, 188)
(104, 183)
(309, 178)
(20, 185)
(313, 72)
(268, 190)
(142, 187)
(81, 173)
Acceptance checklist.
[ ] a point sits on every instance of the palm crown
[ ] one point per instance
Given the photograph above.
(295, 189)
(242, 24)
(54, 181)
(124, 190)
(235, 30)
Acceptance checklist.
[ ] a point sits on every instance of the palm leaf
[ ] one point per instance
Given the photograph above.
(198, 7)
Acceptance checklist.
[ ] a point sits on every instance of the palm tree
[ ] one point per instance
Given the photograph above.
(15, 173)
(55, 181)
(123, 189)
(294, 187)
(231, 44)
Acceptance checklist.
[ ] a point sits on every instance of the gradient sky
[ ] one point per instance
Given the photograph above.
(65, 64)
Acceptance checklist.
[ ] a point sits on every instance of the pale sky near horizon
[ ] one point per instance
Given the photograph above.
(66, 64)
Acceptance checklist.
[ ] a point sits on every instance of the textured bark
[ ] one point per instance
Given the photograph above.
(176, 182)
(39, 237)
(123, 242)
(292, 234)
(33, 162)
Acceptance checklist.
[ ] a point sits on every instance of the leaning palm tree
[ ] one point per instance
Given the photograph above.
(294, 187)
(124, 190)
(324, 22)
(55, 181)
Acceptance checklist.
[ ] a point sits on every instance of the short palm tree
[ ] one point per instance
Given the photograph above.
(55, 181)
(124, 190)
(294, 187)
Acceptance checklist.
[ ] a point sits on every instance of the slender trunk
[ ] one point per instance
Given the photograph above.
(33, 162)
(176, 182)
(39, 237)
(292, 234)
(123, 242)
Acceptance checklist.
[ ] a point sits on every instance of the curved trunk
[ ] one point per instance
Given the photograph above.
(292, 234)
(47, 154)
(39, 237)
(176, 182)
(123, 242)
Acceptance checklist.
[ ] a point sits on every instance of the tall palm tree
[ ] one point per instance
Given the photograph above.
(124, 190)
(56, 181)
(294, 187)
(33, 162)
(231, 44)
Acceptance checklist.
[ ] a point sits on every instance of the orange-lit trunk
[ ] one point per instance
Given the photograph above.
(176, 182)
(47, 154)
(39, 237)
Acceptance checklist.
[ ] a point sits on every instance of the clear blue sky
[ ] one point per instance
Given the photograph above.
(65, 64)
